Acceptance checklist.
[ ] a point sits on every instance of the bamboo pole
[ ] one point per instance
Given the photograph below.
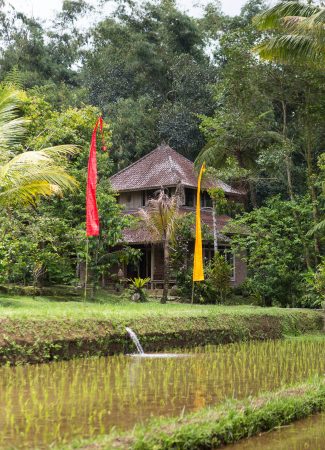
(192, 300)
(86, 270)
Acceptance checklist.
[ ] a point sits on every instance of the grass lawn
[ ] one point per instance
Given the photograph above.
(115, 307)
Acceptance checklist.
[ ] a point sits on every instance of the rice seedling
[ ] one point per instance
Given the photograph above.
(56, 402)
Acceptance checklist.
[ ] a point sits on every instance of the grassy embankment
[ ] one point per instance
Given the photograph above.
(41, 329)
(211, 428)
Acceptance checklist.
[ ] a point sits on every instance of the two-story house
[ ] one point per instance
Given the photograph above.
(165, 168)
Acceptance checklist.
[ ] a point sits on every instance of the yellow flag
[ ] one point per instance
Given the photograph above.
(198, 274)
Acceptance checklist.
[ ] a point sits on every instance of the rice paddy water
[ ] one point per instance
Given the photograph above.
(307, 434)
(51, 403)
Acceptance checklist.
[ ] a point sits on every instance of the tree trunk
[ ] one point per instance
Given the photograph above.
(252, 191)
(287, 158)
(288, 165)
(312, 191)
(166, 271)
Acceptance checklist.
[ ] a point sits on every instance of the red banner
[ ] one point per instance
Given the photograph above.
(92, 218)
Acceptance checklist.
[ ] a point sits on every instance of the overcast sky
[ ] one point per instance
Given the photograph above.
(45, 8)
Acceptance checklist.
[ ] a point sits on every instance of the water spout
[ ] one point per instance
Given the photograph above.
(135, 340)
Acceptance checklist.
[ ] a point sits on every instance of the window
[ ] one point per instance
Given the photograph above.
(206, 201)
(189, 197)
(146, 196)
(208, 252)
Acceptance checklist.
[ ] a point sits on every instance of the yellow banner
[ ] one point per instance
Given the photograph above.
(198, 274)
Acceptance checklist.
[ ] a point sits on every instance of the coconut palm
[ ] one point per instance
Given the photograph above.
(160, 218)
(26, 177)
(300, 33)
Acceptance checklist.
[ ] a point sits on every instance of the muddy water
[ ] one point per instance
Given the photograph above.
(59, 401)
(307, 434)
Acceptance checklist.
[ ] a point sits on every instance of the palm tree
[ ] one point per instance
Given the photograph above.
(300, 34)
(26, 177)
(160, 218)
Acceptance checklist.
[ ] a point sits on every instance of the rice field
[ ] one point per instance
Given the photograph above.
(54, 403)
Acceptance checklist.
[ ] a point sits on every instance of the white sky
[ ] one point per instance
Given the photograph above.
(45, 8)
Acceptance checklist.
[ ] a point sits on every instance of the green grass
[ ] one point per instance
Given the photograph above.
(115, 307)
(42, 329)
(211, 428)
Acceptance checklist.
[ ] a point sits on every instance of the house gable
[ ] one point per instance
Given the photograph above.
(163, 167)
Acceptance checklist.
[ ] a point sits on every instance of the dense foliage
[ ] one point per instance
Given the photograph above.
(159, 74)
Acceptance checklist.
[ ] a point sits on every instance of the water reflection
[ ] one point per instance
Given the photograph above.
(54, 402)
(307, 434)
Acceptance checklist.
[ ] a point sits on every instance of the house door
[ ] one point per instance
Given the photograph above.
(143, 266)
(145, 263)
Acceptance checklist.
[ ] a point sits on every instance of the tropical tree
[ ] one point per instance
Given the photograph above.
(274, 246)
(160, 218)
(26, 176)
(153, 57)
(239, 127)
(300, 33)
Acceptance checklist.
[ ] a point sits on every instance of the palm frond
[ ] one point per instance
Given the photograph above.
(11, 128)
(160, 216)
(213, 153)
(60, 151)
(301, 33)
(31, 175)
(273, 17)
(319, 227)
(25, 194)
(292, 48)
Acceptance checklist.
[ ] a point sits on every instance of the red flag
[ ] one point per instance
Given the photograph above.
(92, 219)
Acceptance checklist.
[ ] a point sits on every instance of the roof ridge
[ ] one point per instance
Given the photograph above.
(179, 154)
(173, 166)
(135, 162)
(164, 146)
(170, 162)
(163, 166)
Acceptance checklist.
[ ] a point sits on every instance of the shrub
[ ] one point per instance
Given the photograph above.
(313, 288)
(216, 286)
(276, 243)
(218, 276)
(138, 292)
(320, 282)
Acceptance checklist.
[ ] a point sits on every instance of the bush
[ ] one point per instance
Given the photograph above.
(218, 276)
(276, 237)
(214, 289)
(320, 282)
(20, 290)
(137, 289)
(313, 288)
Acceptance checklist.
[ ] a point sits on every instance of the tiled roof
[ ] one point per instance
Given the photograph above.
(162, 167)
(139, 234)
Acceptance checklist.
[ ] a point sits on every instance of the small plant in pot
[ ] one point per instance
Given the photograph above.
(137, 288)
